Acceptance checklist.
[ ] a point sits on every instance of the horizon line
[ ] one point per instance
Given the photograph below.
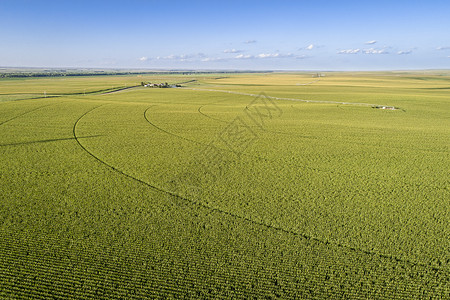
(216, 70)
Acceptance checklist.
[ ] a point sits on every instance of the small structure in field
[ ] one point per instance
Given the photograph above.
(385, 107)
(159, 85)
(318, 75)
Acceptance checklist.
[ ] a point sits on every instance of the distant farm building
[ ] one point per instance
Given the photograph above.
(386, 107)
(318, 75)
(159, 85)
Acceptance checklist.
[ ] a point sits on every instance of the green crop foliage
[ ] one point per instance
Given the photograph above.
(208, 191)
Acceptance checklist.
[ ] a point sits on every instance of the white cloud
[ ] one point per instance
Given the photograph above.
(200, 57)
(243, 56)
(274, 55)
(143, 58)
(232, 51)
(165, 57)
(404, 52)
(443, 48)
(182, 57)
(267, 55)
(349, 51)
(250, 41)
(311, 47)
(375, 51)
(186, 56)
(365, 51)
(213, 59)
(190, 58)
(371, 42)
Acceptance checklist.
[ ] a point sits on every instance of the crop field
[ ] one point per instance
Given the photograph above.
(234, 186)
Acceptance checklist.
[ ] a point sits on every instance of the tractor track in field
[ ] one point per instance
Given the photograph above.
(194, 141)
(165, 131)
(261, 128)
(46, 141)
(208, 116)
(31, 98)
(25, 113)
(236, 216)
(309, 83)
(300, 135)
(57, 96)
(333, 172)
(221, 149)
(313, 137)
(299, 100)
(283, 98)
(228, 150)
(120, 90)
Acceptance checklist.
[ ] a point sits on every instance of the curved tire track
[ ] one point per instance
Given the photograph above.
(263, 129)
(209, 117)
(25, 113)
(233, 215)
(120, 90)
(194, 141)
(334, 172)
(283, 98)
(168, 132)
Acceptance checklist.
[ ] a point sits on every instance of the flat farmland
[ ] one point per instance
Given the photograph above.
(262, 185)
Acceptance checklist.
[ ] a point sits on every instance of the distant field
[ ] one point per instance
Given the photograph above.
(211, 191)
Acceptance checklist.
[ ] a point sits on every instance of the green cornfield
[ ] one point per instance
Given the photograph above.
(233, 186)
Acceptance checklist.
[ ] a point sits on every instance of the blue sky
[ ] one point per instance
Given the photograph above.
(257, 35)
